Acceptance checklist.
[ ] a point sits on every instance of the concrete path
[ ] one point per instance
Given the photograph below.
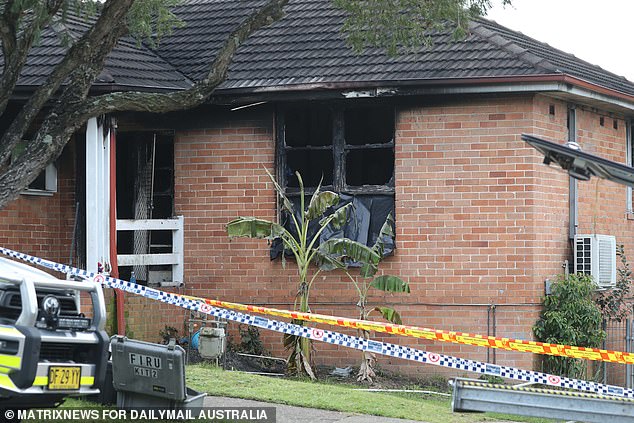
(290, 414)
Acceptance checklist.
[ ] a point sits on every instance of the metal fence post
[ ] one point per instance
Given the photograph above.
(604, 365)
(629, 347)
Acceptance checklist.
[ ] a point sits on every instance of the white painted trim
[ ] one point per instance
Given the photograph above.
(150, 224)
(50, 179)
(92, 199)
(178, 247)
(175, 258)
(97, 196)
(147, 259)
(105, 199)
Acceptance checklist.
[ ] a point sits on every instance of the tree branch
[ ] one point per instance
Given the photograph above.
(8, 31)
(80, 55)
(73, 107)
(196, 95)
(58, 126)
(17, 41)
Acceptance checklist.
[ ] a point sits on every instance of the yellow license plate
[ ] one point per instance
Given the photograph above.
(64, 377)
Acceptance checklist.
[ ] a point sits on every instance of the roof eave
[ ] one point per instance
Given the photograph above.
(557, 82)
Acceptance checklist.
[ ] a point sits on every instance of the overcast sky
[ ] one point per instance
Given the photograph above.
(598, 31)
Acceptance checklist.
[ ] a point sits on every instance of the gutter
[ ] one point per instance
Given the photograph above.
(557, 82)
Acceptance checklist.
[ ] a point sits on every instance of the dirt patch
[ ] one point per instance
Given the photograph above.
(383, 380)
(237, 361)
(244, 363)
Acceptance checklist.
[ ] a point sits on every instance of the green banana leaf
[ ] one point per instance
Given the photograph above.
(320, 202)
(390, 315)
(338, 218)
(386, 231)
(286, 203)
(389, 283)
(347, 248)
(326, 262)
(252, 227)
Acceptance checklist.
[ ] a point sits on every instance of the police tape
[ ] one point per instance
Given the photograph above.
(335, 338)
(508, 344)
(403, 330)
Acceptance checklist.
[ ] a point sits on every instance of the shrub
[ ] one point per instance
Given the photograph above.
(570, 317)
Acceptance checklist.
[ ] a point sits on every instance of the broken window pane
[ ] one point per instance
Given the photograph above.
(308, 126)
(308, 147)
(369, 125)
(312, 165)
(351, 147)
(367, 131)
(370, 167)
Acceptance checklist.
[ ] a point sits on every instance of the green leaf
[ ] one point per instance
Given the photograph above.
(251, 227)
(389, 283)
(386, 231)
(368, 270)
(320, 202)
(347, 248)
(326, 262)
(286, 203)
(389, 314)
(338, 218)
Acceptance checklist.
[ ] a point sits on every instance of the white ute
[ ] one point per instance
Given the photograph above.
(50, 347)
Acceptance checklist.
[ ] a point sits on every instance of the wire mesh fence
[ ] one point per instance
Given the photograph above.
(619, 338)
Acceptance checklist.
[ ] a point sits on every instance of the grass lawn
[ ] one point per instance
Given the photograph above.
(338, 397)
(328, 396)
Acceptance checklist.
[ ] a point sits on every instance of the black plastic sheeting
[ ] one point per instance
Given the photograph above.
(365, 219)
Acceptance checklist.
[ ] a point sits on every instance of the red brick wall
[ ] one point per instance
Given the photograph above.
(465, 189)
(43, 225)
(480, 221)
(602, 204)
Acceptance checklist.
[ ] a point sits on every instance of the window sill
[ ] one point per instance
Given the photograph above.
(38, 193)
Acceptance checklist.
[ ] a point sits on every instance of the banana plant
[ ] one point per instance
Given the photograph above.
(304, 247)
(347, 251)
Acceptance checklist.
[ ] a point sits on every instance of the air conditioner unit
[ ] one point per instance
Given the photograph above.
(595, 255)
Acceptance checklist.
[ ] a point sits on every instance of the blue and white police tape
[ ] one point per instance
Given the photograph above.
(336, 338)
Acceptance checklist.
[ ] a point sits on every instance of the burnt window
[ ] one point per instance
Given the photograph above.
(349, 148)
(308, 146)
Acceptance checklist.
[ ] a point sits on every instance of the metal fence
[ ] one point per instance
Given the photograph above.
(619, 338)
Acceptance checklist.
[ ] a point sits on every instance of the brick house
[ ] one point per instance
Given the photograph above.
(480, 222)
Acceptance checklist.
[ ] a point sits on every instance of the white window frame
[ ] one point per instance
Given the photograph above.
(50, 182)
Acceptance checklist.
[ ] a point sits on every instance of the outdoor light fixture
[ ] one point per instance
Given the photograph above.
(581, 165)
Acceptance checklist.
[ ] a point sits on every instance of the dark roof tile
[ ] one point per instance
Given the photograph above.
(128, 65)
(307, 47)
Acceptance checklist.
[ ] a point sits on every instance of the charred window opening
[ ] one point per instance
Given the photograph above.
(309, 146)
(369, 146)
(350, 149)
(145, 190)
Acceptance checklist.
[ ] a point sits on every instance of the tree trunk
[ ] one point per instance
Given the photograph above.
(79, 67)
(368, 360)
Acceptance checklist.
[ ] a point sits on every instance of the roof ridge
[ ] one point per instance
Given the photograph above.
(511, 47)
